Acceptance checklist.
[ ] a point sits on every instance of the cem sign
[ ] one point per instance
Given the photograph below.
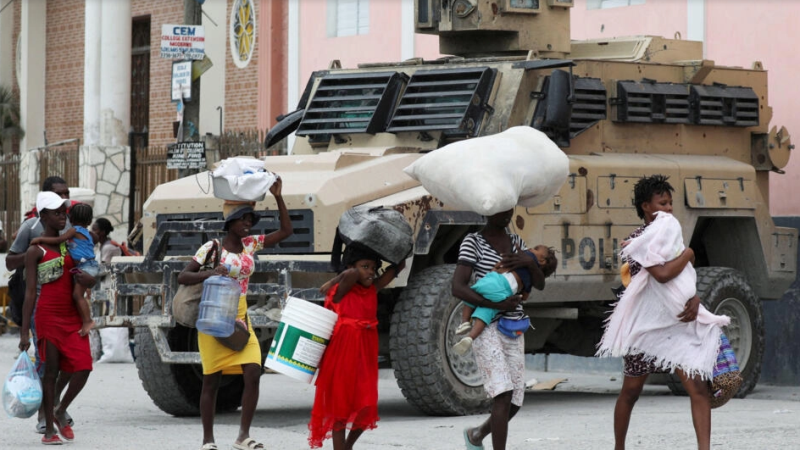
(186, 155)
(183, 41)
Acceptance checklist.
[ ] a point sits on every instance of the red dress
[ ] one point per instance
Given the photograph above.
(58, 321)
(347, 381)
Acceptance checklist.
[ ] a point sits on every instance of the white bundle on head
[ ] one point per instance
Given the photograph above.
(492, 174)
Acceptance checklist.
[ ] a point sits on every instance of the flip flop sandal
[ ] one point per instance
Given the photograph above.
(248, 444)
(470, 445)
(209, 446)
(53, 440)
(41, 426)
(65, 431)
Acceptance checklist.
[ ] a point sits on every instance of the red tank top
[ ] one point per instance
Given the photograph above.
(56, 297)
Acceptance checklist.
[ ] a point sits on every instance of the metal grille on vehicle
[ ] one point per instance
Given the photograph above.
(351, 103)
(449, 100)
(207, 226)
(650, 102)
(589, 106)
(723, 105)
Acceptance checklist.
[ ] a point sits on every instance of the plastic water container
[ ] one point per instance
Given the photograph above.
(218, 306)
(301, 339)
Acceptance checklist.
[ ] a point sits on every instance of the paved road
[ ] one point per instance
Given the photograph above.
(114, 412)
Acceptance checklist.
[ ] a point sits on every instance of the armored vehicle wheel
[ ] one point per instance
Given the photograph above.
(175, 388)
(726, 291)
(422, 333)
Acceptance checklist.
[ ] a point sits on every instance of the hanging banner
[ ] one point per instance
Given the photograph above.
(183, 41)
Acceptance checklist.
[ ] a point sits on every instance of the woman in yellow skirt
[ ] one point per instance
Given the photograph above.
(237, 251)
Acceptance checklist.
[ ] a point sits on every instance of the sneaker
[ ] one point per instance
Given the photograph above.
(464, 327)
(462, 346)
(54, 440)
(41, 426)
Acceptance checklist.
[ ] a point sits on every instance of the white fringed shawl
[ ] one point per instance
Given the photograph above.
(645, 320)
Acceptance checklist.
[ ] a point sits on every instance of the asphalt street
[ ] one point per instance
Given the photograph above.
(114, 412)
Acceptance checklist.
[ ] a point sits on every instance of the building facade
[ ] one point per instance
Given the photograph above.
(91, 71)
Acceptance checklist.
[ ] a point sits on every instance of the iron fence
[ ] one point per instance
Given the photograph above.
(9, 194)
(60, 159)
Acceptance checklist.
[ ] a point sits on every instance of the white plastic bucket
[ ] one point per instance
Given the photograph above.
(301, 339)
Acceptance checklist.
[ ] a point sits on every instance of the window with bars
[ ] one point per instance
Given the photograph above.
(348, 17)
(606, 4)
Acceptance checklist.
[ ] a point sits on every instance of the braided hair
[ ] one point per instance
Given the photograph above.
(81, 214)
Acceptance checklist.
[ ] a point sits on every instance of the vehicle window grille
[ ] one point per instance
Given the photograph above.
(724, 105)
(351, 103)
(589, 106)
(649, 102)
(449, 100)
(209, 226)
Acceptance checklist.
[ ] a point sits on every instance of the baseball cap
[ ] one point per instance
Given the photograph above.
(50, 200)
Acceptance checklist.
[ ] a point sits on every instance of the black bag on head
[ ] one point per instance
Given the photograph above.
(381, 230)
(16, 292)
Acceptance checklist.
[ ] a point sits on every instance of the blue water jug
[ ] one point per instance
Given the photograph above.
(218, 306)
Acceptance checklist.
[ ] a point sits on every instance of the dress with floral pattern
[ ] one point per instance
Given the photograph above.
(215, 356)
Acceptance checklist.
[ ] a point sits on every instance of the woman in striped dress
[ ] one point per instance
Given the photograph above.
(500, 359)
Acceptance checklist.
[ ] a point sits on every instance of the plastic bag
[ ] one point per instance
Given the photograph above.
(242, 179)
(492, 174)
(22, 391)
(116, 346)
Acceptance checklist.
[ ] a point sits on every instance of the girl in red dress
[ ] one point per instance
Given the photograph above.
(347, 382)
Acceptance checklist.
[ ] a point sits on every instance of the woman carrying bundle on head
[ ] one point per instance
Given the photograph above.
(236, 259)
(347, 381)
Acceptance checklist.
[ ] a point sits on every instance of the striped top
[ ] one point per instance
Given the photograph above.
(477, 253)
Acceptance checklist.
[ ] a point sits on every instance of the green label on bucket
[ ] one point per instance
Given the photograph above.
(297, 348)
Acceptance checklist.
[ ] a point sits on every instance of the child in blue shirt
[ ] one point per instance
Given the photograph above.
(80, 243)
(497, 286)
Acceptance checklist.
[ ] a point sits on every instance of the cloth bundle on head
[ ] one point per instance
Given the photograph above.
(236, 210)
(492, 174)
(242, 178)
(645, 320)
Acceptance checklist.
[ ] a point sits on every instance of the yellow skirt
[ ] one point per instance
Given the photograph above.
(216, 357)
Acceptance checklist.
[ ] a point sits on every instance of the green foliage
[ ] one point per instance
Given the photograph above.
(9, 117)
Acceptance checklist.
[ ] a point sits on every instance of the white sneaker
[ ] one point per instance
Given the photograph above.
(462, 346)
(464, 327)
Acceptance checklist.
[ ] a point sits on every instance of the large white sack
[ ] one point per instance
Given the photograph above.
(116, 346)
(492, 174)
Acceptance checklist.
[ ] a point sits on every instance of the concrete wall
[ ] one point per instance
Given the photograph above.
(381, 44)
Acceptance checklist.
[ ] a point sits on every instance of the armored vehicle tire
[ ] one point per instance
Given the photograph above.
(175, 388)
(422, 332)
(726, 291)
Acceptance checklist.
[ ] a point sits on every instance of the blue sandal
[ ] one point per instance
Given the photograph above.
(470, 445)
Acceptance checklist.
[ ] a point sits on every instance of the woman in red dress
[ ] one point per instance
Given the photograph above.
(58, 323)
(347, 382)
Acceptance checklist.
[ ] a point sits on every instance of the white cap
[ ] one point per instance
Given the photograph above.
(50, 200)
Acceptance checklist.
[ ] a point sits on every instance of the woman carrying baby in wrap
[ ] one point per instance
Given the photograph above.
(659, 325)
